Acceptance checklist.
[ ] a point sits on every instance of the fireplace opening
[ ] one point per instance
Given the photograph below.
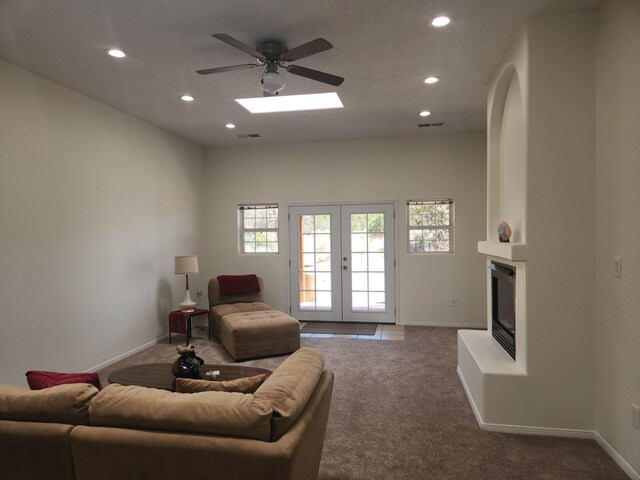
(503, 306)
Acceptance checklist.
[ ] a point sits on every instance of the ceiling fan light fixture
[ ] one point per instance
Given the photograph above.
(431, 79)
(425, 113)
(230, 126)
(186, 98)
(440, 21)
(271, 82)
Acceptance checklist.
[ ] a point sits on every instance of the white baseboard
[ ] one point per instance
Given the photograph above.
(476, 412)
(474, 326)
(553, 432)
(544, 431)
(126, 354)
(628, 469)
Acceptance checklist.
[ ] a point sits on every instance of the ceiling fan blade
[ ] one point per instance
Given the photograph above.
(306, 49)
(238, 44)
(315, 75)
(230, 68)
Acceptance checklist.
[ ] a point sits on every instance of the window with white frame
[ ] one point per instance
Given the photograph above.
(258, 228)
(430, 224)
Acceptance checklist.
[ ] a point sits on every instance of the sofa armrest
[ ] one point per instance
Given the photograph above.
(35, 450)
(305, 438)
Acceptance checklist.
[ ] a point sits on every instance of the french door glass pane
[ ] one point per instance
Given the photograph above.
(376, 282)
(376, 262)
(314, 242)
(376, 300)
(359, 301)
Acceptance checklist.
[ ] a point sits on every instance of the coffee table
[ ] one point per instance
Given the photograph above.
(158, 375)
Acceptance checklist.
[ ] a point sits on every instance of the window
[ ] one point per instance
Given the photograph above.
(430, 226)
(258, 228)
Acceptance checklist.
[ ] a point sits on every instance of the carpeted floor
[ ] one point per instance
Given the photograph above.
(399, 412)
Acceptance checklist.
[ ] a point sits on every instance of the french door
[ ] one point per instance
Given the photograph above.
(342, 263)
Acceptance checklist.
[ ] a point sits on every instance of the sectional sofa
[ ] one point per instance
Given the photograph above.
(75, 432)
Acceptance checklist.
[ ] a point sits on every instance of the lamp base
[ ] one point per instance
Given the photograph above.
(187, 304)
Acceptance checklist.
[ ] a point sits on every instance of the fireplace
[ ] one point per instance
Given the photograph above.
(503, 306)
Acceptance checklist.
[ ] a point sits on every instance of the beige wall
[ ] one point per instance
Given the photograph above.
(396, 170)
(617, 227)
(94, 204)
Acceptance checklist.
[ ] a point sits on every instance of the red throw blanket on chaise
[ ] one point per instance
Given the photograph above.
(238, 284)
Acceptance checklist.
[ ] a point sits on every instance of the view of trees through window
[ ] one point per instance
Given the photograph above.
(258, 228)
(430, 226)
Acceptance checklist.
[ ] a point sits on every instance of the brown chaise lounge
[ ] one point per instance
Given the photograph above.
(249, 328)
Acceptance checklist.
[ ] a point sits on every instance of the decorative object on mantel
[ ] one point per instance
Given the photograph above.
(188, 364)
(187, 265)
(504, 232)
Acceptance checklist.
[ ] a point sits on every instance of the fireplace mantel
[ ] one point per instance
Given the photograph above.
(516, 252)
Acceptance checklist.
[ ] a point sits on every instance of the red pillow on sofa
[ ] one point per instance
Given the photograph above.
(38, 379)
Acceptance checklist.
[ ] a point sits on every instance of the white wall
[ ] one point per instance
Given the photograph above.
(94, 205)
(617, 227)
(400, 169)
(560, 219)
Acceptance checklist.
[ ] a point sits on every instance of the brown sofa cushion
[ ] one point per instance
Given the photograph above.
(218, 311)
(67, 404)
(219, 413)
(231, 308)
(241, 385)
(290, 387)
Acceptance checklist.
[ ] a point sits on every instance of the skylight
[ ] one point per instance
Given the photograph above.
(291, 103)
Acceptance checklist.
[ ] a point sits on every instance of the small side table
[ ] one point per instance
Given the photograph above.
(180, 322)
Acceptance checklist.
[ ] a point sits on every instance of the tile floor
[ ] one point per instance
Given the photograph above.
(383, 332)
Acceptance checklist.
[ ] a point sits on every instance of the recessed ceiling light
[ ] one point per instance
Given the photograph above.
(291, 103)
(114, 52)
(186, 98)
(230, 126)
(425, 113)
(441, 21)
(431, 79)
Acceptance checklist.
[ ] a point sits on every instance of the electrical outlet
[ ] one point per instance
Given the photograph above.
(636, 416)
(199, 293)
(617, 267)
(454, 302)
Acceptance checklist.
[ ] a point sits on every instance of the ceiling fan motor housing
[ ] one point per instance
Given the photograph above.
(272, 51)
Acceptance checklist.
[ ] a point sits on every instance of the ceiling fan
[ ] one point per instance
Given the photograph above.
(273, 55)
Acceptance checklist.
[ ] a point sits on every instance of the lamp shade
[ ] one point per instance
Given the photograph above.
(187, 265)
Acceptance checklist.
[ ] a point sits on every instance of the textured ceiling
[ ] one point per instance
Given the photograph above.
(383, 49)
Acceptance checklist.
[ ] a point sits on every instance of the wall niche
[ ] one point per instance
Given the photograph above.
(507, 165)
